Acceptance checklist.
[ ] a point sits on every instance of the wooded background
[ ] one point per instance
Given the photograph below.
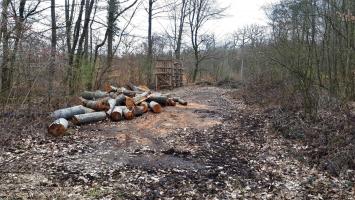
(49, 50)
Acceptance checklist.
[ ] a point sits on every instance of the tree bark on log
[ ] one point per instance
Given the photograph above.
(155, 107)
(180, 101)
(138, 111)
(99, 105)
(68, 113)
(145, 106)
(94, 95)
(112, 103)
(123, 100)
(89, 118)
(127, 113)
(141, 97)
(58, 127)
(162, 100)
(116, 114)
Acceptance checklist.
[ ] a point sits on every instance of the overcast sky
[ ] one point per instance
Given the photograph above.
(238, 14)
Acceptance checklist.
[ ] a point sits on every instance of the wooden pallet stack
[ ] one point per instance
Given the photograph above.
(168, 74)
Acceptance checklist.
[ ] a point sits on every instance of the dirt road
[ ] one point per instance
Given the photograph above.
(216, 147)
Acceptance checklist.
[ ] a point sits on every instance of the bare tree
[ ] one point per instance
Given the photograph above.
(53, 51)
(199, 12)
(4, 36)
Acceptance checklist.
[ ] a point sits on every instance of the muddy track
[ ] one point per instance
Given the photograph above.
(215, 147)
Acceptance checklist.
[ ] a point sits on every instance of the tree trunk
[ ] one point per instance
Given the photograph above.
(51, 69)
(150, 43)
(89, 118)
(5, 71)
(181, 28)
(58, 127)
(155, 107)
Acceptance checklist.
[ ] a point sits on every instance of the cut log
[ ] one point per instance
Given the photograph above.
(155, 107)
(180, 101)
(89, 118)
(116, 114)
(127, 113)
(162, 100)
(138, 111)
(88, 110)
(145, 106)
(123, 100)
(58, 127)
(112, 104)
(94, 95)
(68, 113)
(171, 102)
(129, 103)
(141, 97)
(99, 105)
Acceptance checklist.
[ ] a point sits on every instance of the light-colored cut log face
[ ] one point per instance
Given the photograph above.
(129, 103)
(145, 106)
(155, 107)
(117, 114)
(58, 127)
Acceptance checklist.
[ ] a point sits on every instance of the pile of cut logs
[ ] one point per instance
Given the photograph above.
(114, 103)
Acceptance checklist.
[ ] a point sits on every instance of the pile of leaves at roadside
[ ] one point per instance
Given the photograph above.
(329, 141)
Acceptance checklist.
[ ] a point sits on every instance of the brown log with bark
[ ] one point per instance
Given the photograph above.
(99, 105)
(138, 110)
(89, 118)
(116, 114)
(155, 107)
(145, 106)
(94, 95)
(127, 113)
(68, 113)
(58, 127)
(162, 100)
(180, 101)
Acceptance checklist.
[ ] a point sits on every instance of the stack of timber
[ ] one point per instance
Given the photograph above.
(115, 103)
